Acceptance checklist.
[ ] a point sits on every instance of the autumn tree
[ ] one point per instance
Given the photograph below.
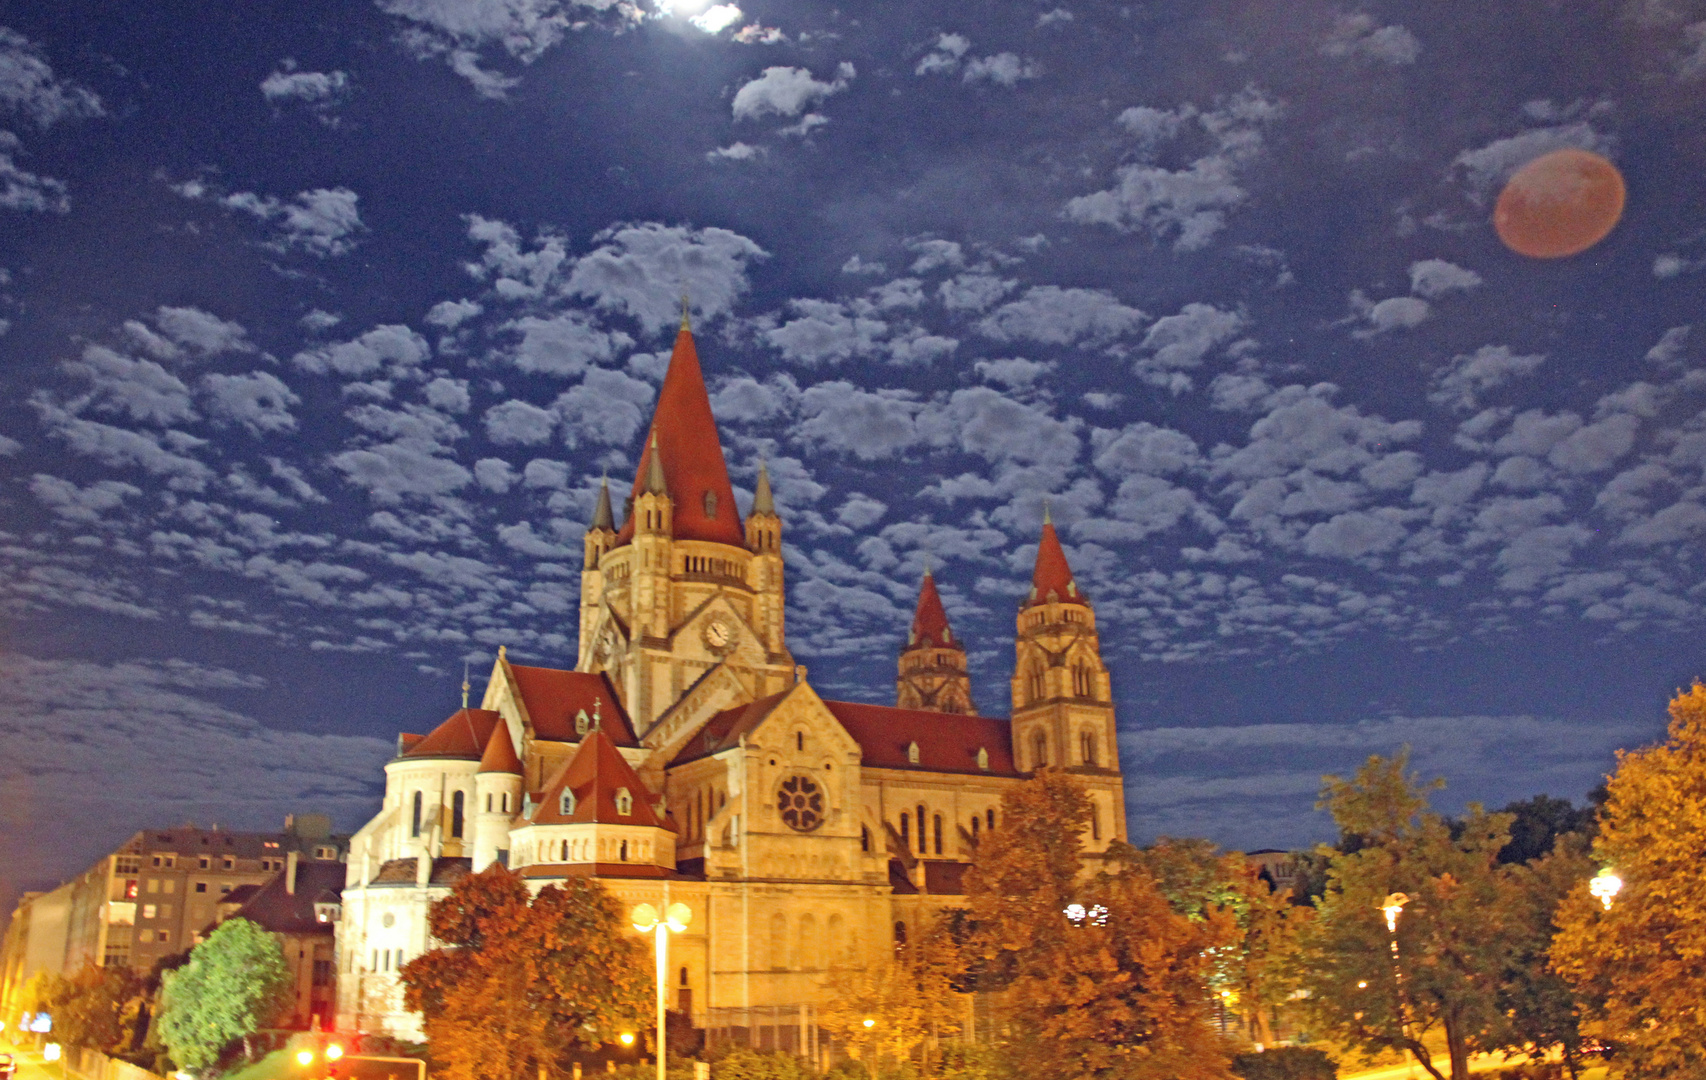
(93, 1006)
(1460, 930)
(1100, 975)
(521, 979)
(235, 983)
(1642, 962)
(909, 998)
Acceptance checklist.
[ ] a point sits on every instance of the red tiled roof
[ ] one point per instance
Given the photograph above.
(464, 735)
(1052, 574)
(553, 697)
(930, 622)
(272, 908)
(500, 756)
(595, 774)
(692, 455)
(725, 728)
(947, 742)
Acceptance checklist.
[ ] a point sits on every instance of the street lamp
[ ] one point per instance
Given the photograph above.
(334, 1052)
(1392, 907)
(1605, 885)
(675, 918)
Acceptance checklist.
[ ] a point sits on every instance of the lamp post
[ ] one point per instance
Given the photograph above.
(647, 919)
(1605, 885)
(1392, 907)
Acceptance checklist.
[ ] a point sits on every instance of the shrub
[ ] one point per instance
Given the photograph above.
(744, 1064)
(1286, 1063)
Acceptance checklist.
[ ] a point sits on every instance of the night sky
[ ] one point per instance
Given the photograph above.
(319, 324)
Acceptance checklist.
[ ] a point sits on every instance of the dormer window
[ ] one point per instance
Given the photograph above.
(566, 804)
(624, 802)
(327, 913)
(582, 723)
(710, 504)
(983, 758)
(912, 753)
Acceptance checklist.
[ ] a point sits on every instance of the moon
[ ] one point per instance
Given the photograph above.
(1559, 204)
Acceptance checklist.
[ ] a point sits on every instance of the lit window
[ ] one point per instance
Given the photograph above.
(582, 723)
(983, 759)
(566, 805)
(912, 753)
(624, 802)
(149, 911)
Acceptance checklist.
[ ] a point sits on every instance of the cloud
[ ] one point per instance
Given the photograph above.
(1489, 166)
(1188, 205)
(1145, 448)
(1669, 348)
(1003, 69)
(786, 91)
(139, 389)
(738, 151)
(826, 332)
(21, 189)
(944, 57)
(1459, 384)
(258, 401)
(29, 87)
(408, 468)
(526, 29)
(1052, 315)
(1357, 35)
(643, 269)
(81, 505)
(319, 222)
(716, 18)
(563, 344)
(1303, 430)
(321, 91)
(161, 454)
(1014, 373)
(1181, 341)
(839, 416)
(1393, 313)
(1431, 278)
(201, 331)
(860, 511)
(392, 349)
(608, 408)
(974, 291)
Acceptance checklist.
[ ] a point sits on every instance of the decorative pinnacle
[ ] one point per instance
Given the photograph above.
(926, 564)
(602, 516)
(464, 685)
(654, 471)
(1048, 518)
(763, 502)
(686, 326)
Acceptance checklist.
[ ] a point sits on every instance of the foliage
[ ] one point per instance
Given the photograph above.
(1537, 823)
(1252, 974)
(973, 1061)
(1541, 1012)
(94, 1007)
(235, 983)
(523, 979)
(1641, 962)
(910, 998)
(1461, 931)
(1120, 992)
(744, 1064)
(1286, 1063)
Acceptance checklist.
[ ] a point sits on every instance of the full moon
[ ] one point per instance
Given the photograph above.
(1559, 204)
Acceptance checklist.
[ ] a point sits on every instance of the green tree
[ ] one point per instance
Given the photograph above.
(1456, 937)
(1642, 962)
(1541, 1010)
(1538, 823)
(1099, 974)
(90, 1007)
(235, 983)
(523, 979)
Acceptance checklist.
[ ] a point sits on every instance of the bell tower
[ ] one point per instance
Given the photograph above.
(1063, 705)
(933, 663)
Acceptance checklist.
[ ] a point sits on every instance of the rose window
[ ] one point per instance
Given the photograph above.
(801, 803)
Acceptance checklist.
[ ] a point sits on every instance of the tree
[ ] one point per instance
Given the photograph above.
(1100, 975)
(523, 979)
(1642, 962)
(235, 983)
(91, 1007)
(1540, 1009)
(1537, 823)
(1456, 938)
(910, 999)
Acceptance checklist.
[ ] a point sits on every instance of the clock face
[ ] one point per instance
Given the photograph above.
(718, 634)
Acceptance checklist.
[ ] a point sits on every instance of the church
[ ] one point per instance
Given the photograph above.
(686, 757)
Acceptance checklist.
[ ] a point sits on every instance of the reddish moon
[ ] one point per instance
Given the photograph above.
(1559, 204)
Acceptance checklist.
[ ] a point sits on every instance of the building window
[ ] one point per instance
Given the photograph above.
(799, 740)
(154, 885)
(565, 855)
(228, 862)
(325, 853)
(583, 723)
(912, 753)
(864, 839)
(1036, 680)
(990, 820)
(1039, 750)
(203, 862)
(322, 973)
(488, 802)
(149, 911)
(923, 846)
(905, 829)
(938, 833)
(201, 886)
(900, 933)
(974, 825)
(624, 802)
(624, 851)
(506, 802)
(456, 801)
(566, 803)
(1095, 823)
(983, 759)
(224, 889)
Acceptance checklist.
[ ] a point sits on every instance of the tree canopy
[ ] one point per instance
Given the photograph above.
(1642, 963)
(235, 983)
(523, 979)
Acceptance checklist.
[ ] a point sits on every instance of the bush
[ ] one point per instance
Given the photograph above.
(1286, 1063)
(744, 1064)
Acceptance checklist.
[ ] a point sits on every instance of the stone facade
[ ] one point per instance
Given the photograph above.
(688, 759)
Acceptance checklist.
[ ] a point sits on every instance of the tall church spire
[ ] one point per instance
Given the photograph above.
(1051, 580)
(683, 433)
(933, 664)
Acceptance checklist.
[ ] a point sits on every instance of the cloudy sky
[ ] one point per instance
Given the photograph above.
(319, 324)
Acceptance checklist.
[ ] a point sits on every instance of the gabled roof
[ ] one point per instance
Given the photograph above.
(684, 434)
(464, 735)
(596, 774)
(947, 742)
(930, 622)
(500, 756)
(272, 908)
(724, 729)
(553, 697)
(1052, 574)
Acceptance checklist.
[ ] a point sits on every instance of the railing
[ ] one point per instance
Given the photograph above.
(94, 1065)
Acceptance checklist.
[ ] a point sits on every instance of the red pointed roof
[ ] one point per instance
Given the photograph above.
(464, 735)
(554, 697)
(930, 622)
(1052, 574)
(500, 756)
(693, 466)
(596, 774)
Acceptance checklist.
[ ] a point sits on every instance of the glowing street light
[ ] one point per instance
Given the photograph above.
(1392, 908)
(305, 1057)
(1605, 885)
(334, 1052)
(647, 919)
(869, 1023)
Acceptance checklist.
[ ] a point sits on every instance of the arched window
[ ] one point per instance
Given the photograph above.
(1039, 750)
(1087, 747)
(864, 839)
(923, 847)
(912, 753)
(1095, 822)
(983, 758)
(799, 740)
(835, 940)
(806, 955)
(624, 851)
(624, 802)
(905, 829)
(1036, 681)
(488, 802)
(456, 816)
(415, 817)
(683, 976)
(974, 825)
(991, 820)
(565, 855)
(900, 933)
(938, 833)
(506, 802)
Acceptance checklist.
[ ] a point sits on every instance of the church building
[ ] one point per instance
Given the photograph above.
(686, 757)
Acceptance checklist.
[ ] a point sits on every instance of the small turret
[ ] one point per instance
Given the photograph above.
(933, 664)
(601, 534)
(763, 527)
